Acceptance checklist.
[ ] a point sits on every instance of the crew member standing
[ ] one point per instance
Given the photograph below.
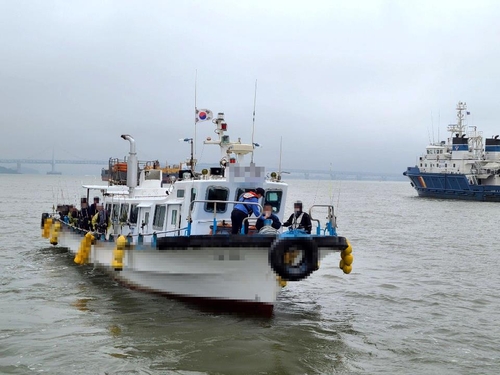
(299, 219)
(242, 210)
(93, 207)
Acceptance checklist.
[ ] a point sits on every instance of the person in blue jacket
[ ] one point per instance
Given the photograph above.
(268, 218)
(242, 210)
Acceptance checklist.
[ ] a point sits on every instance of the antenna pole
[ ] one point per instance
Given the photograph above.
(439, 123)
(279, 166)
(253, 121)
(195, 113)
(432, 124)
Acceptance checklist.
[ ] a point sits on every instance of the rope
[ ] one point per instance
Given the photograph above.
(127, 235)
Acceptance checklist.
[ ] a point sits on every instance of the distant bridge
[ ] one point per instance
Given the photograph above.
(304, 173)
(52, 162)
(345, 175)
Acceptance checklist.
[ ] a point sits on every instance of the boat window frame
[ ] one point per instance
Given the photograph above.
(276, 207)
(115, 212)
(134, 209)
(221, 207)
(124, 207)
(173, 218)
(158, 215)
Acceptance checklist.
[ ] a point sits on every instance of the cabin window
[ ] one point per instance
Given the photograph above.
(425, 165)
(420, 165)
(133, 213)
(273, 197)
(108, 208)
(446, 165)
(180, 193)
(116, 212)
(453, 165)
(173, 220)
(124, 213)
(216, 193)
(159, 217)
(193, 197)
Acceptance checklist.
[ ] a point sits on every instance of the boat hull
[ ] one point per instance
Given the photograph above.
(450, 186)
(226, 273)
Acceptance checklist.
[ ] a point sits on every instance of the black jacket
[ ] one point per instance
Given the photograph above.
(261, 221)
(305, 222)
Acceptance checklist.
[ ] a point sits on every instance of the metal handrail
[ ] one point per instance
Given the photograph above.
(331, 224)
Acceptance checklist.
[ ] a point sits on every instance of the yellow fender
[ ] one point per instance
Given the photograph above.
(55, 233)
(118, 253)
(82, 256)
(46, 228)
(282, 283)
(346, 259)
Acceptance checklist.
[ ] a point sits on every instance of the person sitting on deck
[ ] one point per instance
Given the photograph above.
(73, 216)
(242, 210)
(268, 218)
(299, 219)
(100, 221)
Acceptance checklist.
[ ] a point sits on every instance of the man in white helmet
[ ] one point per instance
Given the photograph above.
(299, 219)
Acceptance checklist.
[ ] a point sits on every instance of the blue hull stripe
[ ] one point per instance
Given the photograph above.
(451, 186)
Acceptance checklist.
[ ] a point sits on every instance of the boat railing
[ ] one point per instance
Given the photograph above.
(109, 236)
(214, 220)
(331, 223)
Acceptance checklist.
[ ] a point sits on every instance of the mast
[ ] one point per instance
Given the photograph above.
(195, 113)
(253, 121)
(459, 127)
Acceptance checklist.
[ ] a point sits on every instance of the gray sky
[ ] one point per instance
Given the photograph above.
(352, 83)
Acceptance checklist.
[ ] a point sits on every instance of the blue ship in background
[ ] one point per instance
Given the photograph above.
(461, 167)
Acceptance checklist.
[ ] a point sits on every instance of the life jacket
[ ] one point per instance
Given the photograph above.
(297, 220)
(246, 196)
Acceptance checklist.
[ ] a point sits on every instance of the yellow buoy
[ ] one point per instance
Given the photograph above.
(348, 259)
(55, 233)
(348, 250)
(347, 269)
(78, 257)
(82, 256)
(281, 282)
(118, 252)
(46, 228)
(345, 263)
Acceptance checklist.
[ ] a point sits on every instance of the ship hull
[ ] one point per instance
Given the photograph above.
(210, 271)
(450, 186)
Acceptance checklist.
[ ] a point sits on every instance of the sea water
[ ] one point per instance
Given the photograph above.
(422, 297)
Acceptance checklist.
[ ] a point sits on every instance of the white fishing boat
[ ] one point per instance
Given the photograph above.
(175, 238)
